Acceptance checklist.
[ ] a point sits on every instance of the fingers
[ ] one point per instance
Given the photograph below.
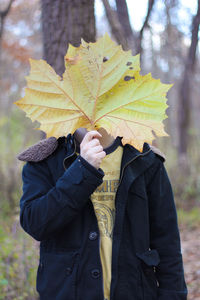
(90, 141)
(96, 149)
(101, 155)
(93, 143)
(91, 149)
(91, 135)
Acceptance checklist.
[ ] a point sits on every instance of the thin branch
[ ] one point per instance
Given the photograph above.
(3, 14)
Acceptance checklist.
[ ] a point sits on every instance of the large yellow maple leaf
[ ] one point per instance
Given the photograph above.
(101, 87)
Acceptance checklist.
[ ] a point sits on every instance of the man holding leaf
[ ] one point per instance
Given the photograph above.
(99, 200)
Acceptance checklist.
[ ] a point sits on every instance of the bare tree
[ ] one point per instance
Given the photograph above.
(64, 22)
(185, 88)
(121, 28)
(116, 25)
(129, 34)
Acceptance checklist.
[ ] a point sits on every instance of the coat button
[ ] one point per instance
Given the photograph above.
(95, 273)
(68, 270)
(93, 235)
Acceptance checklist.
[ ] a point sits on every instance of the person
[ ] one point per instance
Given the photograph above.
(105, 217)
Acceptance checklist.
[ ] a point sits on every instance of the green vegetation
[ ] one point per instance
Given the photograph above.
(16, 133)
(184, 174)
(18, 251)
(18, 262)
(189, 219)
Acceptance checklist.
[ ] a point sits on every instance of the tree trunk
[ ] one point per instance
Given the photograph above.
(145, 25)
(115, 25)
(121, 28)
(63, 22)
(123, 16)
(3, 14)
(185, 90)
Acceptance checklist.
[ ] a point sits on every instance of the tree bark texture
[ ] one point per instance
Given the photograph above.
(64, 22)
(185, 88)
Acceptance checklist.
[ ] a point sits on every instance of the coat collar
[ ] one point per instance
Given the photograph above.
(131, 153)
(46, 147)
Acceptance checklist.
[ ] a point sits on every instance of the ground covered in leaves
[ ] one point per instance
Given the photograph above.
(190, 238)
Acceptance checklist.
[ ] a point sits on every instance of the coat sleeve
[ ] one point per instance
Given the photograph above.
(164, 237)
(44, 208)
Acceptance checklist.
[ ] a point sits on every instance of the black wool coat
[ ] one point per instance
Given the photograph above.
(56, 209)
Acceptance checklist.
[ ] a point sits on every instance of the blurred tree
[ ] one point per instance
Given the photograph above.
(145, 25)
(21, 39)
(63, 22)
(185, 88)
(3, 14)
(116, 27)
(121, 28)
(172, 54)
(123, 16)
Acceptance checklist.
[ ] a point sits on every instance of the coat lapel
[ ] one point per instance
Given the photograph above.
(134, 163)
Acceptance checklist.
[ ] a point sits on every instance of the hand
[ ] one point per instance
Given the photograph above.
(91, 149)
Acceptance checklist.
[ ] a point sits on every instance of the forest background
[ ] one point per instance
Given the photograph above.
(166, 35)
